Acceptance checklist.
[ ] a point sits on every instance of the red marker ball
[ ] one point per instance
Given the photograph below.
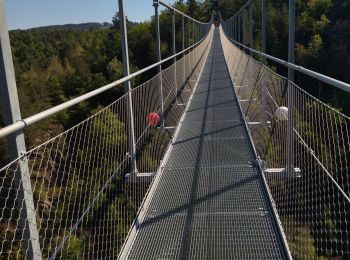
(152, 119)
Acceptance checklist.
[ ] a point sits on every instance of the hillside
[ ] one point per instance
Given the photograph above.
(80, 26)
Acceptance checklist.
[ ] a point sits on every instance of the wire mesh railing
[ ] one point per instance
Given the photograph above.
(83, 199)
(312, 199)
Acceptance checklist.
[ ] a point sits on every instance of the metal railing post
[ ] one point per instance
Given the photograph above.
(174, 51)
(243, 29)
(235, 30)
(290, 160)
(202, 32)
(251, 27)
(183, 31)
(127, 87)
(190, 34)
(290, 132)
(263, 102)
(263, 29)
(17, 147)
(263, 49)
(159, 58)
(189, 44)
(291, 40)
(183, 47)
(198, 32)
(239, 28)
(193, 34)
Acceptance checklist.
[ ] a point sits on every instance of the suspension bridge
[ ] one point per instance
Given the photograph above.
(241, 164)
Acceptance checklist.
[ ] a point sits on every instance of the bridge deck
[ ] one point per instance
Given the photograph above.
(210, 203)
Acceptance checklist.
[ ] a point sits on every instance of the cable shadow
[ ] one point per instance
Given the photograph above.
(189, 207)
(210, 106)
(206, 134)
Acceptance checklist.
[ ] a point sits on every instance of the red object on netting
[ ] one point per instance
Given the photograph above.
(153, 119)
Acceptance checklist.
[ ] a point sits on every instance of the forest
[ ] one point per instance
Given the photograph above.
(54, 64)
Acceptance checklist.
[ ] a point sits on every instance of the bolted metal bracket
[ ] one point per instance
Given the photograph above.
(248, 100)
(259, 123)
(246, 118)
(283, 173)
(179, 104)
(155, 3)
(259, 163)
(159, 128)
(139, 177)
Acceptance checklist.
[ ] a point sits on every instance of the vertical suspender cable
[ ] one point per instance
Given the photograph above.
(290, 159)
(263, 29)
(159, 58)
(251, 40)
(127, 86)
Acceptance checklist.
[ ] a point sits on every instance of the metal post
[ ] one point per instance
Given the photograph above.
(263, 28)
(243, 29)
(263, 49)
(193, 34)
(235, 30)
(232, 29)
(239, 28)
(202, 31)
(263, 102)
(290, 160)
(291, 42)
(174, 35)
(189, 44)
(159, 58)
(174, 52)
(17, 147)
(183, 47)
(290, 130)
(183, 31)
(198, 32)
(190, 34)
(251, 27)
(127, 87)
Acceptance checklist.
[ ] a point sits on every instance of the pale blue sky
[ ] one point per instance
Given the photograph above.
(23, 14)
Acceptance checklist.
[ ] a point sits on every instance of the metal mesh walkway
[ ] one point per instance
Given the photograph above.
(210, 201)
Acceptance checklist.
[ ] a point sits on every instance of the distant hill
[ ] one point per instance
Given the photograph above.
(80, 26)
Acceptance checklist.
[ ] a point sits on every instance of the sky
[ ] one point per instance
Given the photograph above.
(24, 14)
